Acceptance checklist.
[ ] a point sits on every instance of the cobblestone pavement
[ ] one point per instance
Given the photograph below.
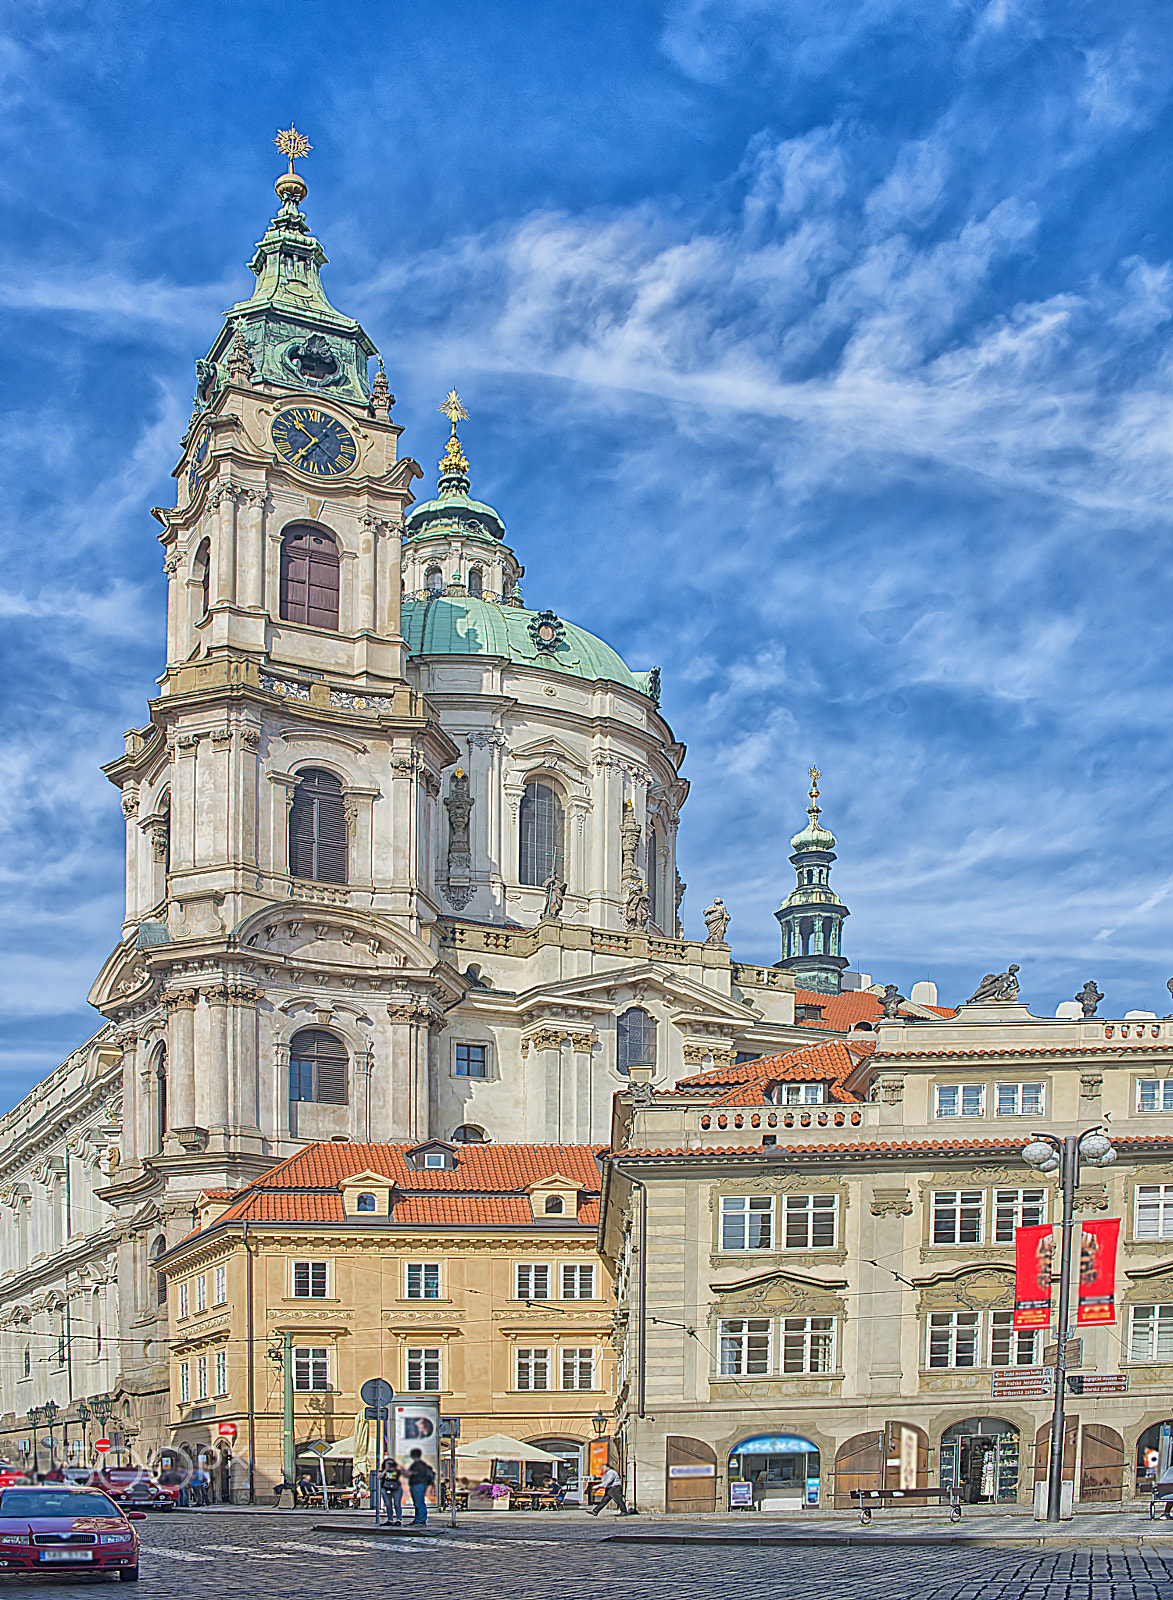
(280, 1558)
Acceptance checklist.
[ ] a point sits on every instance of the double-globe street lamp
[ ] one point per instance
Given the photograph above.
(1048, 1154)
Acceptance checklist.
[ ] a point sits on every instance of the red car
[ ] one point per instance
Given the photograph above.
(57, 1528)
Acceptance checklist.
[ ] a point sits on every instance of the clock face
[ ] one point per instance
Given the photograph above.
(198, 456)
(313, 441)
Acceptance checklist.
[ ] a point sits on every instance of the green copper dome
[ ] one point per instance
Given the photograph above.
(460, 625)
(814, 836)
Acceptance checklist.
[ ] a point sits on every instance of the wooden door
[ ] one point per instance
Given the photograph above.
(1043, 1449)
(859, 1464)
(1101, 1475)
(691, 1467)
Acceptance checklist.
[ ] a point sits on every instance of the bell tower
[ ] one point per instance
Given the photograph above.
(812, 916)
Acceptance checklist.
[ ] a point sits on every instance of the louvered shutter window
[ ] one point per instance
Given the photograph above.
(317, 1067)
(309, 578)
(317, 828)
(541, 834)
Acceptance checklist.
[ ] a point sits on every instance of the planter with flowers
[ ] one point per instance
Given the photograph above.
(490, 1497)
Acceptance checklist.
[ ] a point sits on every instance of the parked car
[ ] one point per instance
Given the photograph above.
(64, 1529)
(130, 1487)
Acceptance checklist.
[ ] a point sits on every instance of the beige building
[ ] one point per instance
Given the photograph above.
(468, 1272)
(828, 1269)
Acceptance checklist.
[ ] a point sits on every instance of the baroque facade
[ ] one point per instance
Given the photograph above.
(825, 1292)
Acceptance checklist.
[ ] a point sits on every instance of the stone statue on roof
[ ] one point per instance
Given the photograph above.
(996, 986)
(892, 1000)
(1089, 997)
(555, 888)
(638, 907)
(717, 921)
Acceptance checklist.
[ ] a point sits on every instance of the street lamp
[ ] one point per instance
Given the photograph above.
(599, 1422)
(35, 1414)
(49, 1412)
(1050, 1154)
(82, 1413)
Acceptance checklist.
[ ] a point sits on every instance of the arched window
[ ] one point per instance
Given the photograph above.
(158, 1249)
(469, 1133)
(476, 583)
(555, 1205)
(636, 1040)
(317, 828)
(651, 876)
(366, 1202)
(160, 1096)
(434, 581)
(309, 577)
(541, 833)
(317, 1067)
(201, 569)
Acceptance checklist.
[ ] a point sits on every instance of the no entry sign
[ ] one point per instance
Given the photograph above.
(102, 1446)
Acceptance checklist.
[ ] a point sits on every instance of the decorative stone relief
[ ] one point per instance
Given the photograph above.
(892, 1089)
(1091, 1197)
(1091, 1085)
(974, 1288)
(891, 1203)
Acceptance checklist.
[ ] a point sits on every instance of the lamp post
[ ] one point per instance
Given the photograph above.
(82, 1412)
(599, 1423)
(49, 1412)
(1048, 1154)
(102, 1406)
(34, 1415)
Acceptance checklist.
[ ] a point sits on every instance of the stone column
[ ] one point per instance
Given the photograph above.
(176, 597)
(544, 1101)
(390, 1090)
(375, 530)
(581, 1130)
(250, 551)
(224, 499)
(883, 1361)
(212, 1079)
(146, 1107)
(244, 1038)
(181, 1099)
(183, 800)
(132, 1097)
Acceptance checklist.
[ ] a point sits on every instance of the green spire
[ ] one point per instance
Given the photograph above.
(293, 337)
(814, 836)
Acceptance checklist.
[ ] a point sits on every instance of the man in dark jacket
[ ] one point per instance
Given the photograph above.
(420, 1478)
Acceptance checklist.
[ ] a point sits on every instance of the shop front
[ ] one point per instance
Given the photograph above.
(980, 1458)
(784, 1470)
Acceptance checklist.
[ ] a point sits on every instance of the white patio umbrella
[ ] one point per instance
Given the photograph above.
(500, 1447)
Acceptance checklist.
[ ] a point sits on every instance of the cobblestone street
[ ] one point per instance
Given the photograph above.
(269, 1557)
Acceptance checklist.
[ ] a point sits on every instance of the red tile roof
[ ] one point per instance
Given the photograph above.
(865, 1150)
(832, 1062)
(843, 1011)
(490, 1185)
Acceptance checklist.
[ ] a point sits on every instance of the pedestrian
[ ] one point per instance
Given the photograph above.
(612, 1488)
(420, 1478)
(199, 1485)
(391, 1485)
(304, 1487)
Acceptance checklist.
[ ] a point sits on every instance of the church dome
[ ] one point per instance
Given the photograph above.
(461, 625)
(814, 836)
(454, 513)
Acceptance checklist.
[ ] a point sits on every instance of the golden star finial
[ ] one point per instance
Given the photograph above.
(453, 410)
(292, 144)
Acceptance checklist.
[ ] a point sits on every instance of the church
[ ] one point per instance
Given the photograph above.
(400, 850)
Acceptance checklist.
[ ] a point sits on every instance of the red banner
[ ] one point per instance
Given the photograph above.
(1033, 1249)
(1097, 1273)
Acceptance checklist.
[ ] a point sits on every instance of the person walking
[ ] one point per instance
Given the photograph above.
(391, 1487)
(199, 1485)
(612, 1488)
(420, 1478)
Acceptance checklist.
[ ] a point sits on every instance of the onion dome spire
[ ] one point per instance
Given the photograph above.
(814, 836)
(454, 462)
(811, 918)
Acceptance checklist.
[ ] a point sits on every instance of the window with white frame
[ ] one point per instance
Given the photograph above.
(747, 1222)
(221, 1372)
(309, 1280)
(958, 1215)
(1017, 1208)
(184, 1383)
(201, 1378)
(809, 1221)
(578, 1367)
(745, 1347)
(311, 1367)
(183, 1303)
(1011, 1346)
(423, 1280)
(1151, 1333)
(220, 1295)
(1018, 1100)
(532, 1281)
(532, 1366)
(808, 1344)
(800, 1094)
(578, 1280)
(423, 1369)
(1154, 1211)
(954, 1338)
(434, 1160)
(961, 1099)
(1154, 1094)
(202, 1292)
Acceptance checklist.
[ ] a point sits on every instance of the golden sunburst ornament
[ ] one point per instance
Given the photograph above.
(292, 144)
(453, 410)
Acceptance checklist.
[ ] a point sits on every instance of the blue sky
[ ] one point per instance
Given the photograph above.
(819, 352)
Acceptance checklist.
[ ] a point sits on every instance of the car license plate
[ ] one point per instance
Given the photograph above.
(67, 1555)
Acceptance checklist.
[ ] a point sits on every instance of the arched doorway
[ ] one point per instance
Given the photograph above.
(691, 1466)
(784, 1468)
(566, 1472)
(980, 1457)
(1101, 1463)
(895, 1456)
(1154, 1455)
(1043, 1449)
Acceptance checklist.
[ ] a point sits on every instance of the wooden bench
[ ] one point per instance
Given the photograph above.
(870, 1498)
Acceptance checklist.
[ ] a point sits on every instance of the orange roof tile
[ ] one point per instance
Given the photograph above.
(832, 1062)
(933, 1147)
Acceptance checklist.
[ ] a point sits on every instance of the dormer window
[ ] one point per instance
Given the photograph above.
(436, 1155)
(365, 1202)
(434, 1159)
(555, 1205)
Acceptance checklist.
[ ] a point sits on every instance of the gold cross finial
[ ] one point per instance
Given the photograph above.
(453, 409)
(292, 144)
